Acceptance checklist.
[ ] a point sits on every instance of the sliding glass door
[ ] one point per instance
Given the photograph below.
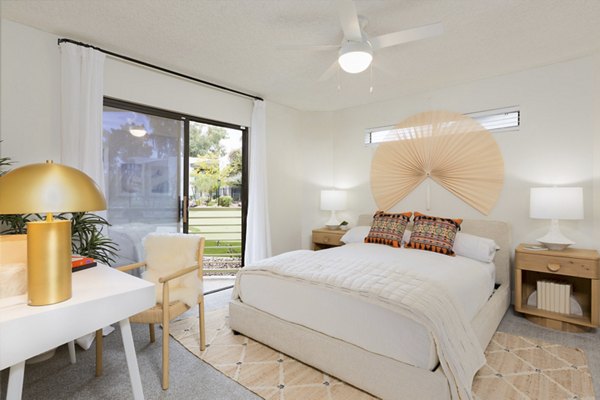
(142, 159)
(167, 172)
(216, 193)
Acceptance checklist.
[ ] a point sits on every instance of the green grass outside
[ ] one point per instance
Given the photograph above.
(224, 249)
(219, 225)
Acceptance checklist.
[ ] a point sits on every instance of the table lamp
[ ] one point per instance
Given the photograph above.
(556, 203)
(333, 200)
(48, 188)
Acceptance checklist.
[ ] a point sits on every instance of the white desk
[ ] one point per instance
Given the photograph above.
(101, 296)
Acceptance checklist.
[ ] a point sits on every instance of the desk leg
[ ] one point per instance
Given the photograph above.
(72, 353)
(15, 381)
(132, 365)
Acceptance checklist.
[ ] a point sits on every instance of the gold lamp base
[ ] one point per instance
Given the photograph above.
(48, 261)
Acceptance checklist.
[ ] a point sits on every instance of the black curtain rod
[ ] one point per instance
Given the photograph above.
(168, 71)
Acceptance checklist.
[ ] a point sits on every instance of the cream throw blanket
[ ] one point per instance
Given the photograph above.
(170, 252)
(387, 285)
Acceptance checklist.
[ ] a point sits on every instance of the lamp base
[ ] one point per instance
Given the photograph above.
(333, 222)
(48, 262)
(555, 246)
(554, 239)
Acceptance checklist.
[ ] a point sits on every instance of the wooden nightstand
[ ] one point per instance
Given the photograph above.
(578, 267)
(324, 238)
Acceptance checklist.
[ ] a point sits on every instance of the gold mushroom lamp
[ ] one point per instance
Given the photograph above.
(48, 188)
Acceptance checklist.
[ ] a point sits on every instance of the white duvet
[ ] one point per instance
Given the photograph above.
(409, 290)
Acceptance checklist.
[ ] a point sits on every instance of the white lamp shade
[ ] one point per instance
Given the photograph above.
(355, 57)
(556, 203)
(333, 200)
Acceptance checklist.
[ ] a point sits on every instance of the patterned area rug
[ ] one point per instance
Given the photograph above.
(517, 368)
(524, 368)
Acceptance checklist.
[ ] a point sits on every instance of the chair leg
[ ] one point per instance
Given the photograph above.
(165, 338)
(99, 343)
(152, 336)
(165, 356)
(201, 323)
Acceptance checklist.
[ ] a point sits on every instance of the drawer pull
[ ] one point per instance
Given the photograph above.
(326, 239)
(553, 267)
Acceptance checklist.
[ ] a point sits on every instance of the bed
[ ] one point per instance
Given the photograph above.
(358, 342)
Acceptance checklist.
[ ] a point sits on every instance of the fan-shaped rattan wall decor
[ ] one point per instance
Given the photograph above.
(452, 149)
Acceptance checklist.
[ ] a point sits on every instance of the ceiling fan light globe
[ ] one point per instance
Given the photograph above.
(355, 57)
(138, 131)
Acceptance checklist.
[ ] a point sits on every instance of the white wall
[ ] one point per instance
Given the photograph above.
(284, 177)
(596, 134)
(559, 141)
(29, 94)
(317, 130)
(141, 85)
(30, 115)
(555, 145)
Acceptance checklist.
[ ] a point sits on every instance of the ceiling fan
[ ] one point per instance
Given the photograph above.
(356, 49)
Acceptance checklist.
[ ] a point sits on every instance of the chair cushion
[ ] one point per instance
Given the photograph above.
(167, 253)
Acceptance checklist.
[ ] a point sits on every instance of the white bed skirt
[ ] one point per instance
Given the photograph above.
(376, 374)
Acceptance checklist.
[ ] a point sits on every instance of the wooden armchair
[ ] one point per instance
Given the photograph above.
(167, 283)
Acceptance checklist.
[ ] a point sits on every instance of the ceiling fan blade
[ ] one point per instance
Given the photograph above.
(349, 20)
(408, 35)
(308, 47)
(380, 66)
(333, 68)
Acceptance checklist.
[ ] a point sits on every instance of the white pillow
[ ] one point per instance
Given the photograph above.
(356, 234)
(406, 237)
(475, 247)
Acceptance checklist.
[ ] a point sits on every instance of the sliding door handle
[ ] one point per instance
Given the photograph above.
(185, 209)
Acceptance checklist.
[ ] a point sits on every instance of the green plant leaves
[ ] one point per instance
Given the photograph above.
(87, 238)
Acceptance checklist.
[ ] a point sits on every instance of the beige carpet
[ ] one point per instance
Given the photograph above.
(517, 368)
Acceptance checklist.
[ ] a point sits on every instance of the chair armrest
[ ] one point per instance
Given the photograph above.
(177, 274)
(129, 267)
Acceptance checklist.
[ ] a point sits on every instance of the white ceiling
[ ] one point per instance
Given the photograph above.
(237, 43)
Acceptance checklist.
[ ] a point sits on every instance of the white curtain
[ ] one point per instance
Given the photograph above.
(82, 92)
(258, 235)
(82, 89)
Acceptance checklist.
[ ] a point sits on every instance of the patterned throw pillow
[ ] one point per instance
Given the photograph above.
(434, 233)
(388, 228)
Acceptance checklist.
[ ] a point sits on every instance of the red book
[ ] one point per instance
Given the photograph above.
(79, 263)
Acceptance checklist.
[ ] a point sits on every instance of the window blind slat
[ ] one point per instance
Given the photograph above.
(493, 120)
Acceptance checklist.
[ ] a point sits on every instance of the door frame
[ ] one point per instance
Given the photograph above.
(186, 118)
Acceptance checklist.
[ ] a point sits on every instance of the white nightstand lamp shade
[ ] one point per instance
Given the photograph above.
(556, 203)
(333, 200)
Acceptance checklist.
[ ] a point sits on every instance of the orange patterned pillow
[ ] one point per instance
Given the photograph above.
(388, 228)
(434, 233)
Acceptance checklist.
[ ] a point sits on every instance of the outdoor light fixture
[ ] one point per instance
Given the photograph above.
(138, 130)
(556, 203)
(333, 200)
(355, 57)
(48, 188)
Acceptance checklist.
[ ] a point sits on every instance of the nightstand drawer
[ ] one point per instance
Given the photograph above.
(332, 239)
(559, 265)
